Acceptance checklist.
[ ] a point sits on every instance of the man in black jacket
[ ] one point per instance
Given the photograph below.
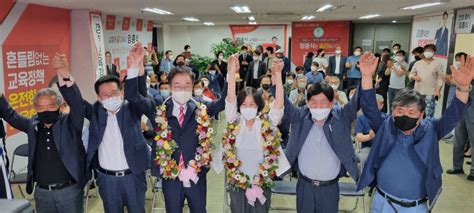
(256, 69)
(56, 161)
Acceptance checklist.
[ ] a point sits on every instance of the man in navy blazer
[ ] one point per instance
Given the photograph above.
(253, 75)
(337, 65)
(184, 133)
(320, 147)
(56, 159)
(404, 163)
(117, 149)
(441, 37)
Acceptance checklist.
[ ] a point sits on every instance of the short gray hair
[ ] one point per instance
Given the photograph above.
(408, 97)
(48, 92)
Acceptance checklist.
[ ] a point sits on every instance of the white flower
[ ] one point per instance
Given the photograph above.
(269, 143)
(164, 134)
(237, 176)
(210, 130)
(159, 112)
(203, 106)
(197, 157)
(265, 173)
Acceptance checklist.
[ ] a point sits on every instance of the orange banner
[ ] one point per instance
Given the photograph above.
(27, 54)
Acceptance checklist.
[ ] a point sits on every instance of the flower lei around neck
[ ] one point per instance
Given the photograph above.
(165, 145)
(267, 170)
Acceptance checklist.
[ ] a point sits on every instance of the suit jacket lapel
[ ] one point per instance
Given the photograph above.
(189, 113)
(172, 121)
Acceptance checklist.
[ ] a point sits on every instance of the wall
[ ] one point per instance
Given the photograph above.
(199, 37)
(398, 33)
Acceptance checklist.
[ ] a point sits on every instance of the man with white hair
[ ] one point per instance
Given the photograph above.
(56, 160)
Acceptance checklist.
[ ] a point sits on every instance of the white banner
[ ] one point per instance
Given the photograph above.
(435, 28)
(121, 33)
(98, 36)
(465, 21)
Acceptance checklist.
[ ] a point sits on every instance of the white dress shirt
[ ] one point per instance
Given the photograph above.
(176, 107)
(111, 149)
(255, 69)
(337, 65)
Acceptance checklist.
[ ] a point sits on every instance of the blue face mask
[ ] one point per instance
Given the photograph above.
(165, 93)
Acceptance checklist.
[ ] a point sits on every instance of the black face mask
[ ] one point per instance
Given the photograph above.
(265, 86)
(417, 57)
(405, 123)
(48, 117)
(180, 63)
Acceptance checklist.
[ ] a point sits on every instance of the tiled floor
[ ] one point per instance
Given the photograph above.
(457, 195)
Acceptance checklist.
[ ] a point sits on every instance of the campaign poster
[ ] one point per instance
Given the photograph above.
(464, 21)
(266, 35)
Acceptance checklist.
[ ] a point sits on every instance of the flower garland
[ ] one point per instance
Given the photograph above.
(267, 170)
(165, 145)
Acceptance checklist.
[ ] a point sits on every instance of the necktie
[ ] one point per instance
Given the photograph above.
(181, 120)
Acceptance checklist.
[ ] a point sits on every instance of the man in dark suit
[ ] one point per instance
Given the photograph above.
(181, 116)
(56, 160)
(111, 68)
(336, 65)
(320, 147)
(256, 69)
(244, 60)
(117, 149)
(441, 37)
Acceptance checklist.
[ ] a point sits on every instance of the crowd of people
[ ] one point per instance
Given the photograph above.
(308, 122)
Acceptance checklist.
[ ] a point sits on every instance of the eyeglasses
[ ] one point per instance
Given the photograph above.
(182, 88)
(109, 95)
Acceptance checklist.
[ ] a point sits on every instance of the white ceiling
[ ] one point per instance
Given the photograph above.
(265, 11)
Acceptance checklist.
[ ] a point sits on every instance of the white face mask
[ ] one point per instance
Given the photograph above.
(289, 81)
(206, 83)
(248, 113)
(198, 92)
(171, 57)
(221, 57)
(212, 72)
(334, 86)
(302, 85)
(314, 68)
(148, 85)
(182, 97)
(255, 58)
(394, 51)
(338, 52)
(357, 53)
(428, 54)
(320, 114)
(399, 58)
(457, 64)
(112, 103)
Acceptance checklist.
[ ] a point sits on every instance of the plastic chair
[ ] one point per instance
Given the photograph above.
(19, 178)
(284, 187)
(348, 189)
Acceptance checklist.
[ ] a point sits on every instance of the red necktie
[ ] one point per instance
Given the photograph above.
(181, 120)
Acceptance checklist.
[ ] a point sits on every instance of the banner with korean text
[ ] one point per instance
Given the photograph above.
(311, 36)
(121, 33)
(99, 50)
(27, 53)
(271, 35)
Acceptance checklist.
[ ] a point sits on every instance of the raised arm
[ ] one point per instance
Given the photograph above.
(232, 67)
(70, 92)
(141, 104)
(16, 120)
(464, 78)
(368, 64)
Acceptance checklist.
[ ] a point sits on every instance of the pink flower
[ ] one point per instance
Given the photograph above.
(273, 157)
(162, 170)
(159, 142)
(162, 156)
(199, 150)
(230, 160)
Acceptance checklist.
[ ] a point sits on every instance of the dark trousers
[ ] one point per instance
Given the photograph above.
(239, 202)
(117, 192)
(69, 199)
(175, 193)
(464, 133)
(317, 199)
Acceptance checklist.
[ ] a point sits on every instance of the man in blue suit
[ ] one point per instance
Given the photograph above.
(56, 160)
(441, 37)
(117, 149)
(404, 163)
(181, 117)
(337, 65)
(320, 147)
